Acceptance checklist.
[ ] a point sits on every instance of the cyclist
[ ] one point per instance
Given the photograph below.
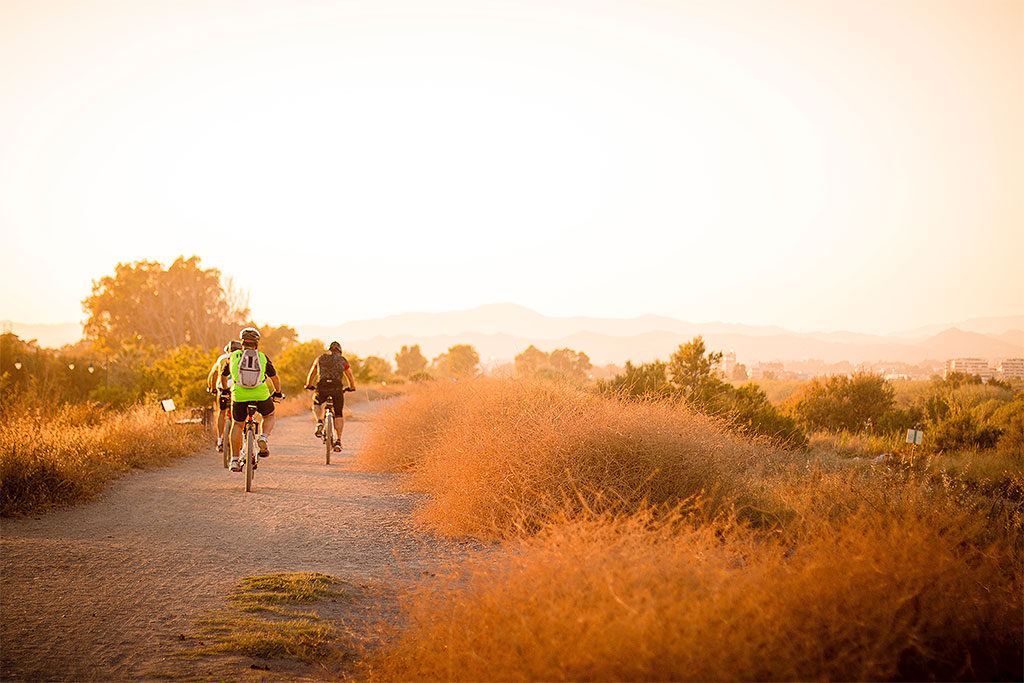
(258, 394)
(330, 371)
(223, 401)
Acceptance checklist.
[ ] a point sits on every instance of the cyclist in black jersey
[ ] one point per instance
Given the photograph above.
(327, 376)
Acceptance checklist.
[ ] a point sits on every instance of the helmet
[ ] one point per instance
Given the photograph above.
(335, 346)
(249, 334)
(232, 345)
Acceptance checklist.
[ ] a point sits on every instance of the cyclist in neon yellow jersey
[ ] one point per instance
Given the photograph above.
(249, 370)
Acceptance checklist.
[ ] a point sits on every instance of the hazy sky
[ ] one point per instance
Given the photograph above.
(818, 165)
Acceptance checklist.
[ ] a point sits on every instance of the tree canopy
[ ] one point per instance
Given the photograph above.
(145, 304)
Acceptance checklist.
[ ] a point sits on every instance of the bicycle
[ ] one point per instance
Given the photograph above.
(330, 443)
(249, 455)
(226, 436)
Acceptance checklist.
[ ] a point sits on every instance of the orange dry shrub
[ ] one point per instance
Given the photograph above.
(500, 458)
(68, 454)
(932, 592)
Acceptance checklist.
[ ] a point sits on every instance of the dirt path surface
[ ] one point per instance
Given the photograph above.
(101, 591)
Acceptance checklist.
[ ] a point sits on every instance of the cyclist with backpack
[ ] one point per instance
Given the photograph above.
(249, 369)
(223, 401)
(330, 371)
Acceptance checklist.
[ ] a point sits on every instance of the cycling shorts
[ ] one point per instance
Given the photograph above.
(264, 408)
(337, 393)
(224, 402)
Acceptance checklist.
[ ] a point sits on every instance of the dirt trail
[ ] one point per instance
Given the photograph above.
(100, 591)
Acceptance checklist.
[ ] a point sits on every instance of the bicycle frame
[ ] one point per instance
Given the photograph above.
(328, 436)
(249, 445)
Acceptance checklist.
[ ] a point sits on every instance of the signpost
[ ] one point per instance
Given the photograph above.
(915, 436)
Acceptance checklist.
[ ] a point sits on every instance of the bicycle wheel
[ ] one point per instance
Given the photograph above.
(250, 457)
(328, 437)
(227, 442)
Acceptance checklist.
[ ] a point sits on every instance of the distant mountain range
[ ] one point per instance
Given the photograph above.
(501, 331)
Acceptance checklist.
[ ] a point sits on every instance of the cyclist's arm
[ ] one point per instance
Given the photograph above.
(314, 369)
(225, 373)
(211, 378)
(272, 376)
(351, 378)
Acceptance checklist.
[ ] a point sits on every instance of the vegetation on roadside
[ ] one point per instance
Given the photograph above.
(51, 456)
(497, 457)
(614, 569)
(263, 620)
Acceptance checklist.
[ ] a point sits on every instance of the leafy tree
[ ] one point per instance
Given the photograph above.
(648, 380)
(166, 308)
(692, 369)
(572, 363)
(181, 375)
(739, 373)
(294, 362)
(274, 340)
(842, 402)
(530, 361)
(460, 361)
(373, 369)
(410, 360)
(753, 413)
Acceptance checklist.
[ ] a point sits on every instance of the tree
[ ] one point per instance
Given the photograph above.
(410, 360)
(575, 364)
(739, 373)
(373, 369)
(752, 413)
(294, 362)
(274, 340)
(181, 375)
(144, 303)
(692, 369)
(530, 361)
(844, 403)
(648, 380)
(460, 361)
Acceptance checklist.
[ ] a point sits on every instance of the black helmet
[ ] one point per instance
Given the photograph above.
(334, 346)
(249, 334)
(233, 345)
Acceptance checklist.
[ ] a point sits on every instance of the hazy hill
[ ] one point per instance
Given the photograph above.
(48, 335)
(501, 331)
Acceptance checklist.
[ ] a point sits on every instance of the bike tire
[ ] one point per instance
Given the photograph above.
(328, 438)
(250, 457)
(226, 436)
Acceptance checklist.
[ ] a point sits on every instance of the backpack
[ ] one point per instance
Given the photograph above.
(250, 369)
(332, 367)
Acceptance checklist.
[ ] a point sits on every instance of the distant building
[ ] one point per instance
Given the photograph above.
(768, 371)
(1012, 368)
(728, 363)
(968, 366)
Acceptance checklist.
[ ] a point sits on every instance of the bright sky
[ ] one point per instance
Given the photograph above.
(819, 165)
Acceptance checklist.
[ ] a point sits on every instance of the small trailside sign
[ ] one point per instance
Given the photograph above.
(915, 436)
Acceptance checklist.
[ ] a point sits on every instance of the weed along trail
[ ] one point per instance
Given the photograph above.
(104, 590)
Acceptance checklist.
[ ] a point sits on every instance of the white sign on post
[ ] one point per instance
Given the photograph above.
(168, 404)
(915, 436)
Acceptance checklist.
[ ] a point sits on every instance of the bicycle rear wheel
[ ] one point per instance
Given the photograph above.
(226, 440)
(250, 457)
(328, 438)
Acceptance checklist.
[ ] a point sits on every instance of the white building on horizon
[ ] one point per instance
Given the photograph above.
(969, 366)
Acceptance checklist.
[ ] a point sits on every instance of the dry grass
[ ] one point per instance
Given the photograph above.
(866, 596)
(500, 458)
(66, 455)
(873, 573)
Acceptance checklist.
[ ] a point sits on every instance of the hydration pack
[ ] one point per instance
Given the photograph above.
(250, 369)
(332, 367)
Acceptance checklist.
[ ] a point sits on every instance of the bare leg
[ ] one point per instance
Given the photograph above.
(268, 424)
(236, 438)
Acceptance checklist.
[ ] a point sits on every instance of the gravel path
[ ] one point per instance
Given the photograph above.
(101, 591)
